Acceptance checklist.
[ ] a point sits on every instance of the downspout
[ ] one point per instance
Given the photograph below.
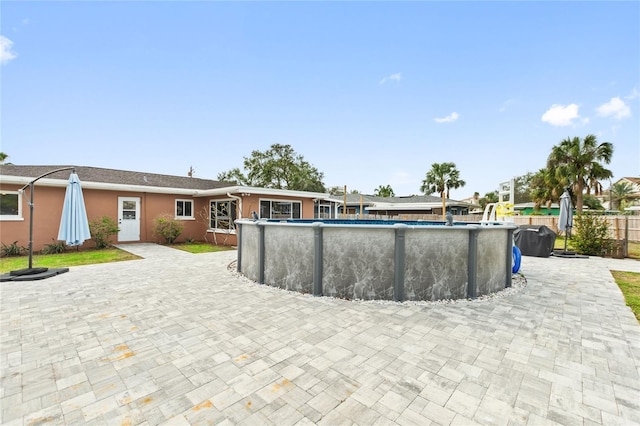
(239, 199)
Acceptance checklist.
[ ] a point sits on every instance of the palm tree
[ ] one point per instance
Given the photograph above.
(598, 174)
(489, 197)
(3, 157)
(441, 179)
(621, 192)
(384, 191)
(578, 162)
(545, 188)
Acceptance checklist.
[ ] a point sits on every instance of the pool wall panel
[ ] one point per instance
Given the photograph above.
(436, 264)
(288, 261)
(492, 251)
(249, 248)
(358, 263)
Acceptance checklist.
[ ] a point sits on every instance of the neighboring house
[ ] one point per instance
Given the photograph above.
(634, 182)
(634, 199)
(395, 206)
(474, 204)
(526, 209)
(207, 208)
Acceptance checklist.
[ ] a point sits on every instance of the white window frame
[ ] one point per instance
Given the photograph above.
(9, 217)
(183, 217)
(212, 209)
(275, 200)
(324, 205)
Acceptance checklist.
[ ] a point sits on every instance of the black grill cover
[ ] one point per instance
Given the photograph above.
(534, 240)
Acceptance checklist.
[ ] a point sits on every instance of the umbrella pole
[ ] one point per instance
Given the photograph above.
(31, 187)
(31, 225)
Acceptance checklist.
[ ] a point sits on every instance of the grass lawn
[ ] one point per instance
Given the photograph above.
(559, 244)
(88, 257)
(200, 247)
(629, 283)
(634, 250)
(634, 247)
(65, 260)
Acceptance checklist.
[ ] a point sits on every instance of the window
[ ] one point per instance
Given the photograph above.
(273, 209)
(223, 213)
(10, 206)
(184, 209)
(324, 211)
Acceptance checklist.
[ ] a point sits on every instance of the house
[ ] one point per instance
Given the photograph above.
(474, 204)
(527, 209)
(634, 182)
(207, 208)
(396, 206)
(634, 196)
(610, 205)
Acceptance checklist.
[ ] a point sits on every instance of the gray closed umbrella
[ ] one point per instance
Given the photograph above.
(565, 221)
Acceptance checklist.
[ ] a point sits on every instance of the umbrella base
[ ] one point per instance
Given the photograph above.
(568, 254)
(32, 274)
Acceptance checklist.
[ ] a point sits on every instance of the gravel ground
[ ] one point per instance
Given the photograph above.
(518, 282)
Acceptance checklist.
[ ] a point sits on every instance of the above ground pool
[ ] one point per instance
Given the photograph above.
(377, 260)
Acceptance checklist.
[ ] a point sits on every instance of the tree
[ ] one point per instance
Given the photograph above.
(545, 188)
(489, 197)
(441, 179)
(339, 190)
(3, 157)
(522, 188)
(384, 191)
(279, 167)
(577, 163)
(621, 192)
(592, 202)
(336, 190)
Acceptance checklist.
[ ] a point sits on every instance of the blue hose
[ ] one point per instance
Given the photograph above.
(517, 257)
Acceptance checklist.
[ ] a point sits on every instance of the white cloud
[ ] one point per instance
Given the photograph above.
(401, 177)
(393, 77)
(448, 119)
(615, 108)
(634, 94)
(561, 115)
(5, 50)
(403, 183)
(508, 104)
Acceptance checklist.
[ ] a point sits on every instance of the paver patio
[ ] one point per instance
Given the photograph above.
(177, 338)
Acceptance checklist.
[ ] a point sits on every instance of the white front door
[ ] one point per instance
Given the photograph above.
(129, 219)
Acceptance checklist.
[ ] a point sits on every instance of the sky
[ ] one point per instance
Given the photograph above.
(370, 93)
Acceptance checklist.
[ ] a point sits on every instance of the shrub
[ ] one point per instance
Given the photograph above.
(54, 248)
(590, 234)
(101, 231)
(12, 249)
(168, 228)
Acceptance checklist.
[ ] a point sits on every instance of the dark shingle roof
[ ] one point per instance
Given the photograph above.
(119, 177)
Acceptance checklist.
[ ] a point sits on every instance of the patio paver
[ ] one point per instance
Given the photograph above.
(177, 338)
